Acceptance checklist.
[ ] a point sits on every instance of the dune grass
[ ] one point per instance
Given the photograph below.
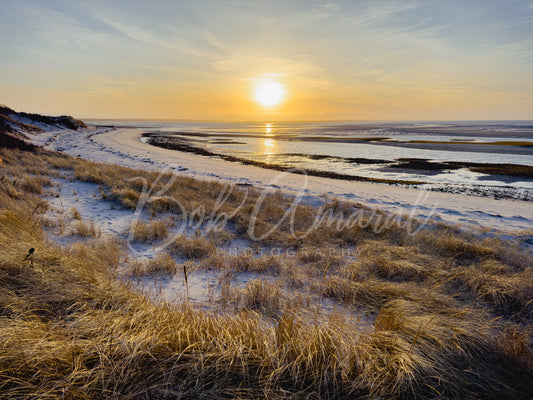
(452, 312)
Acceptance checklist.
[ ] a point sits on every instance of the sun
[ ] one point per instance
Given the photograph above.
(269, 93)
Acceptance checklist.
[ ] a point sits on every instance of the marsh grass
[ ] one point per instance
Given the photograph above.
(34, 184)
(163, 263)
(192, 248)
(75, 214)
(262, 295)
(85, 229)
(452, 311)
(150, 231)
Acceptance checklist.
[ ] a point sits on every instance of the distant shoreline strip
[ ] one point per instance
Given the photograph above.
(513, 170)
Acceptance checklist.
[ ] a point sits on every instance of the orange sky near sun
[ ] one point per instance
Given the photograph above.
(348, 60)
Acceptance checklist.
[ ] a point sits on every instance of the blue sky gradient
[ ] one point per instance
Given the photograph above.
(350, 60)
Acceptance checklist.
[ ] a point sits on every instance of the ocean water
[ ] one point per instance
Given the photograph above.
(407, 151)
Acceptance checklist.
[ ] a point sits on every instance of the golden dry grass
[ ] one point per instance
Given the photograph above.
(192, 248)
(452, 311)
(150, 231)
(85, 229)
(163, 263)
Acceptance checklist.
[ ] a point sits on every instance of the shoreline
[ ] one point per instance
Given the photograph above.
(417, 164)
(324, 174)
(124, 147)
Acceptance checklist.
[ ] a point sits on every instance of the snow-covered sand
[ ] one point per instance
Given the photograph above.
(204, 289)
(124, 147)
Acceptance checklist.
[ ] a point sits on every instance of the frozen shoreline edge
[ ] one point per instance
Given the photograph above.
(123, 146)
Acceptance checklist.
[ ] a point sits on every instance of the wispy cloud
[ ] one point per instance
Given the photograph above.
(214, 41)
(337, 53)
(170, 39)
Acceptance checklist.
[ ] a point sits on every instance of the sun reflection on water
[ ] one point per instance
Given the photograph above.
(268, 145)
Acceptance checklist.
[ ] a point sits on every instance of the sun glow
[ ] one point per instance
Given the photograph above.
(269, 149)
(269, 93)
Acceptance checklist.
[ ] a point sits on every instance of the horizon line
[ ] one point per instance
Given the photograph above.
(296, 120)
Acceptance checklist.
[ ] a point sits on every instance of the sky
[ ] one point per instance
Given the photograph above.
(338, 60)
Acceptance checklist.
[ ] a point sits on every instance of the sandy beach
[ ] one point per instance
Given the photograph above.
(123, 146)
